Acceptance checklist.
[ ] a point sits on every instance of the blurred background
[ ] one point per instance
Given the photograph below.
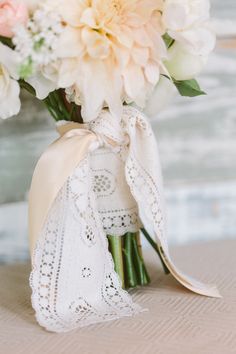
(197, 140)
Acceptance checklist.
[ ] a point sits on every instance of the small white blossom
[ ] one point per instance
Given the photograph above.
(36, 42)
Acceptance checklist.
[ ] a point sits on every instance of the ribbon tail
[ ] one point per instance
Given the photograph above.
(143, 174)
(73, 280)
(51, 172)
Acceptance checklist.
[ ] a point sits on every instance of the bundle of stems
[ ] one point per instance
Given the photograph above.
(126, 250)
(128, 259)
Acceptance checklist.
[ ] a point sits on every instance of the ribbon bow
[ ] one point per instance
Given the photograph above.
(73, 279)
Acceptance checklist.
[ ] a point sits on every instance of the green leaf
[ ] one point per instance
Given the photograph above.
(26, 69)
(6, 41)
(168, 40)
(189, 88)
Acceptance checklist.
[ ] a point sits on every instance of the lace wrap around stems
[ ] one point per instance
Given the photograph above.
(115, 188)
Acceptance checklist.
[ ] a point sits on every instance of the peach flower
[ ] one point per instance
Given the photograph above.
(111, 51)
(12, 13)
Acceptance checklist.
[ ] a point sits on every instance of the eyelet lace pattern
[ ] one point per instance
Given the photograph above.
(73, 279)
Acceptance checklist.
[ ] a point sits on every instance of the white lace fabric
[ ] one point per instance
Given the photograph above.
(117, 208)
(73, 280)
(74, 283)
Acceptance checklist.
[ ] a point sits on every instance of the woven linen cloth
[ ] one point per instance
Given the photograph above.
(179, 321)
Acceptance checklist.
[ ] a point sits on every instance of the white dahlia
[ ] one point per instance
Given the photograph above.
(110, 51)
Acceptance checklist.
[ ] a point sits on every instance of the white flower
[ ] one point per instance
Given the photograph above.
(37, 40)
(186, 21)
(42, 85)
(178, 15)
(183, 65)
(160, 98)
(9, 87)
(45, 80)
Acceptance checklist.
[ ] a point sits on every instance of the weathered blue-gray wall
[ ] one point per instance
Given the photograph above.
(197, 139)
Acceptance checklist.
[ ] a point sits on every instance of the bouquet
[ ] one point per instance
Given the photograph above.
(98, 65)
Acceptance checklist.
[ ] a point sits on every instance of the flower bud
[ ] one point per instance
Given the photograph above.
(183, 65)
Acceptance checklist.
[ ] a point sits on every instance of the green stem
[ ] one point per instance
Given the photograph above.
(56, 106)
(131, 280)
(115, 244)
(51, 110)
(142, 274)
(61, 104)
(155, 246)
(73, 109)
(27, 87)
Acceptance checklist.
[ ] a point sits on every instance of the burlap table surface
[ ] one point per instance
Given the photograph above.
(177, 321)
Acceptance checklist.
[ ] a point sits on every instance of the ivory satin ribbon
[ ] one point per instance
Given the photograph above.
(52, 170)
(54, 167)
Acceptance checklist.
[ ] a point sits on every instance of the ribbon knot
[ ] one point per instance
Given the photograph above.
(106, 137)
